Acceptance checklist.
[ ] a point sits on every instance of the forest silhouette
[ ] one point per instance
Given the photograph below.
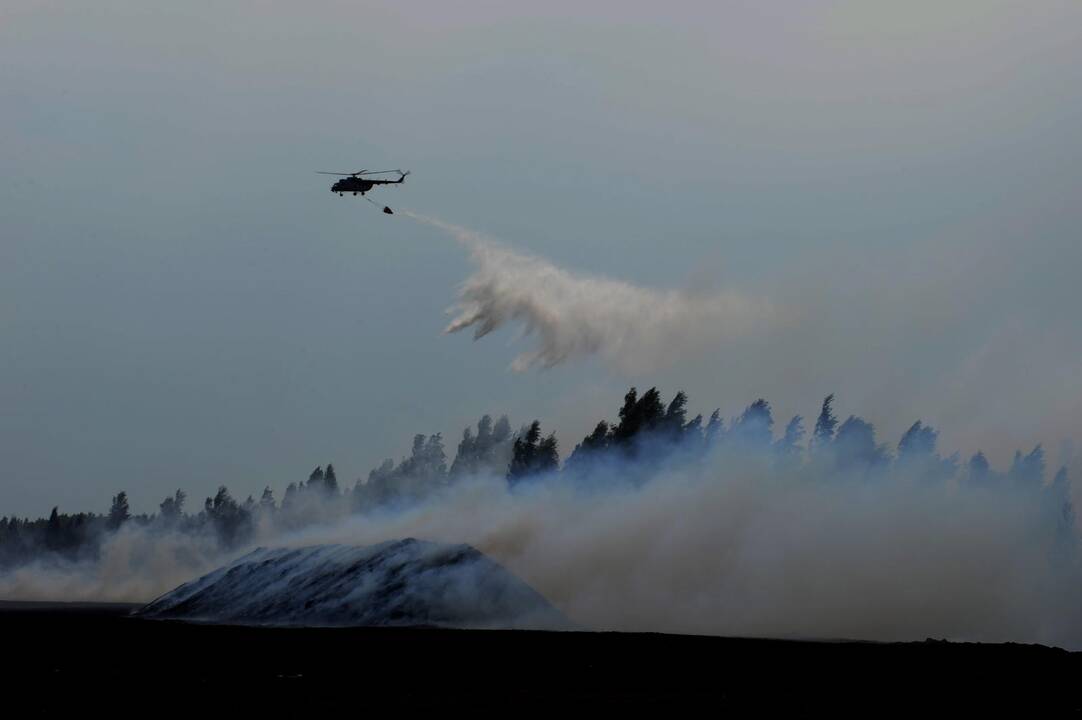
(646, 436)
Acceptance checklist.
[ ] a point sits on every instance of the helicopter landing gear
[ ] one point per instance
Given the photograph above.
(354, 194)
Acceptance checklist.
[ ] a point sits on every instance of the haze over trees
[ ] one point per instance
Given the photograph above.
(646, 435)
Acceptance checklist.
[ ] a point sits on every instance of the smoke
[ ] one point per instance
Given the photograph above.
(726, 544)
(574, 315)
(733, 548)
(135, 564)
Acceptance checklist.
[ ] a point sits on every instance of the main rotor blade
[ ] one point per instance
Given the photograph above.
(376, 172)
(323, 172)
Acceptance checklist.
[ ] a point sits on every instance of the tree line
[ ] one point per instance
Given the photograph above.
(646, 435)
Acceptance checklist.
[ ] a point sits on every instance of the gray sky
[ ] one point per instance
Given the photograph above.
(184, 304)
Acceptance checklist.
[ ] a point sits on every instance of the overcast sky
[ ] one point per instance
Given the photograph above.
(183, 303)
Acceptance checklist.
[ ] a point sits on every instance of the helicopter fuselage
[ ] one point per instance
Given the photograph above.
(353, 185)
(358, 182)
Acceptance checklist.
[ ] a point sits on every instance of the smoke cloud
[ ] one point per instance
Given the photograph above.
(714, 541)
(721, 544)
(135, 564)
(574, 315)
(741, 550)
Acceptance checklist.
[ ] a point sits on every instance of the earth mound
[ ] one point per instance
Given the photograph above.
(397, 583)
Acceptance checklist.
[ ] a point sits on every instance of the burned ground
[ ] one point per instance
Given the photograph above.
(66, 657)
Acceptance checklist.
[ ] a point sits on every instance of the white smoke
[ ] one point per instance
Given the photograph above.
(718, 545)
(574, 315)
(721, 545)
(136, 564)
(726, 549)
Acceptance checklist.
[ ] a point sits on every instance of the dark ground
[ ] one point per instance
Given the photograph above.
(64, 657)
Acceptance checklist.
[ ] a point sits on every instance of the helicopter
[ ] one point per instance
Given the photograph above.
(358, 182)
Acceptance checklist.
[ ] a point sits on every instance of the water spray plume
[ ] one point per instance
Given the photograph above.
(574, 315)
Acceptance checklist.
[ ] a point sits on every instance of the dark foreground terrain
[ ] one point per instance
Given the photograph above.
(60, 658)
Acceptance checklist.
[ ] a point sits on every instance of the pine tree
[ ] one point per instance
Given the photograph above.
(435, 459)
(715, 428)
(650, 410)
(230, 519)
(54, 531)
(675, 416)
(172, 507)
(753, 429)
(854, 446)
(919, 441)
(330, 482)
(978, 470)
(483, 451)
(548, 455)
(917, 454)
(638, 415)
(118, 512)
(290, 497)
(824, 425)
(521, 457)
(624, 429)
(693, 430)
(1028, 470)
(789, 444)
(266, 501)
(531, 455)
(592, 445)
(599, 438)
(466, 455)
(502, 430)
(484, 431)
